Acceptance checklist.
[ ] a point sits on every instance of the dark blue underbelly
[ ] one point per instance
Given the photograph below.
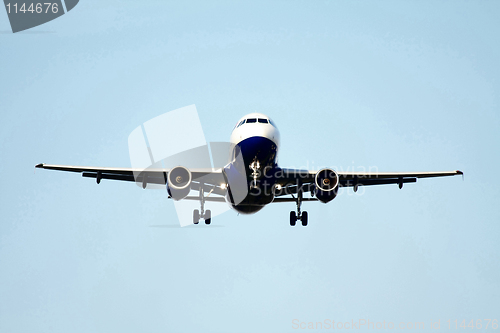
(258, 147)
(241, 195)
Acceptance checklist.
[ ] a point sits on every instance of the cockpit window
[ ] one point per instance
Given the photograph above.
(241, 123)
(271, 122)
(262, 121)
(251, 120)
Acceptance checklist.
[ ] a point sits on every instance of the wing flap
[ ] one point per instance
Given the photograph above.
(128, 178)
(211, 199)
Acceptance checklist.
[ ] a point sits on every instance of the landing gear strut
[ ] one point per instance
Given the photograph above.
(255, 167)
(202, 213)
(295, 216)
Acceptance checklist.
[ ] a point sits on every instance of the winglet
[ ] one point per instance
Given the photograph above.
(460, 173)
(37, 166)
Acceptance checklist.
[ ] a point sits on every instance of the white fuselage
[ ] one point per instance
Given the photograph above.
(247, 130)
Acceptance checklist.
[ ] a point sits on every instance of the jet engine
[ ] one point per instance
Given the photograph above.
(179, 182)
(327, 184)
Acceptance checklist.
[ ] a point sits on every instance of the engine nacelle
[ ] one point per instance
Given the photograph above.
(179, 182)
(327, 184)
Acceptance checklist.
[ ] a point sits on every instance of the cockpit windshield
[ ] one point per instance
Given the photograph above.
(255, 120)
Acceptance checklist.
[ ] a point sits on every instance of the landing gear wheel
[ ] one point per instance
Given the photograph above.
(196, 216)
(303, 218)
(293, 218)
(208, 216)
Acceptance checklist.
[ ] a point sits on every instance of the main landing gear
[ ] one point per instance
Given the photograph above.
(295, 216)
(202, 213)
(206, 215)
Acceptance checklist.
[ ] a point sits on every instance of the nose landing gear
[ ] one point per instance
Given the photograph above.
(255, 167)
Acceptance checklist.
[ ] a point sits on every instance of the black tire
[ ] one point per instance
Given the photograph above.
(208, 216)
(293, 218)
(196, 216)
(304, 218)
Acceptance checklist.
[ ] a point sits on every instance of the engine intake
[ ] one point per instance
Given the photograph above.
(179, 182)
(327, 184)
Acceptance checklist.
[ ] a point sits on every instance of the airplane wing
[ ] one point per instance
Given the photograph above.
(210, 177)
(289, 179)
(293, 178)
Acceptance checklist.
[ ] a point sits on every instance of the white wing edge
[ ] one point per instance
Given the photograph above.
(72, 168)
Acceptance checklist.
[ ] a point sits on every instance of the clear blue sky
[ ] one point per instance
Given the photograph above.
(402, 86)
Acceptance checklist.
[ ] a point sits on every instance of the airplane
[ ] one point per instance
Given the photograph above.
(252, 178)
